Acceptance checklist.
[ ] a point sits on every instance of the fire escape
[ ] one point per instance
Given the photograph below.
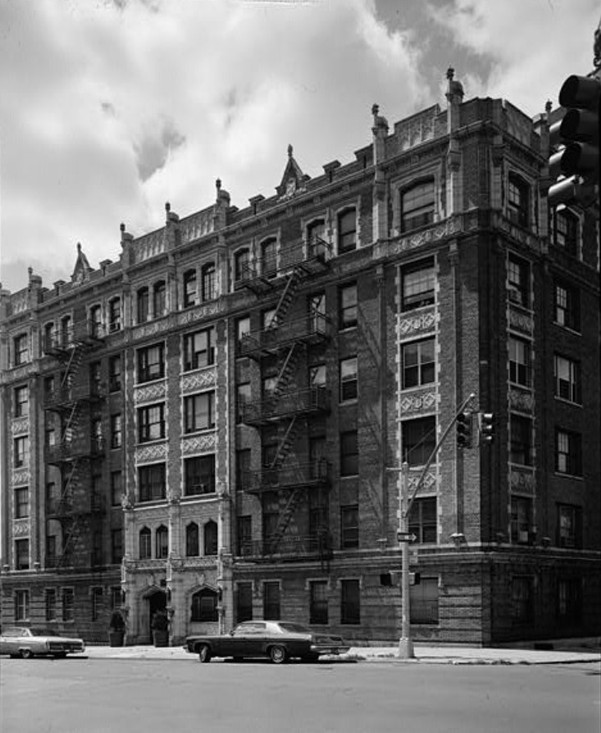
(77, 509)
(285, 410)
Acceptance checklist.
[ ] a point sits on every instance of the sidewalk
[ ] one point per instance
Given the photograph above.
(423, 654)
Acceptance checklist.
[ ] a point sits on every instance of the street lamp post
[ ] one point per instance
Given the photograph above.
(405, 642)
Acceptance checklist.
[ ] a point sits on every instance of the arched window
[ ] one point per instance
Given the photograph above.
(567, 230)
(204, 605)
(143, 305)
(189, 288)
(316, 232)
(114, 314)
(347, 231)
(95, 322)
(241, 265)
(66, 331)
(144, 544)
(49, 336)
(208, 282)
(159, 291)
(162, 542)
(192, 545)
(417, 206)
(210, 538)
(268, 258)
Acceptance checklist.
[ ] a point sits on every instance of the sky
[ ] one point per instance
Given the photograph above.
(110, 108)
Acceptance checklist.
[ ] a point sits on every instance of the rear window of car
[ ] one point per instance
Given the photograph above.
(295, 628)
(43, 632)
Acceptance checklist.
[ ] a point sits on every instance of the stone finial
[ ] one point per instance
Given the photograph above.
(30, 271)
(122, 227)
(450, 73)
(79, 246)
(218, 185)
(290, 151)
(167, 206)
(548, 106)
(375, 109)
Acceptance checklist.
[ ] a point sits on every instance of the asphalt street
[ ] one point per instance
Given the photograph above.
(154, 696)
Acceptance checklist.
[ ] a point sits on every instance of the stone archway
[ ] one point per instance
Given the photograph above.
(155, 600)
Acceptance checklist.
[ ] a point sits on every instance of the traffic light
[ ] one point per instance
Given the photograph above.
(578, 134)
(464, 430)
(486, 426)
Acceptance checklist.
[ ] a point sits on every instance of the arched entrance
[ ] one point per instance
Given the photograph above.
(156, 600)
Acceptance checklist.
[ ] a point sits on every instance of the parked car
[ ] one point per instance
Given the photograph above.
(277, 640)
(20, 641)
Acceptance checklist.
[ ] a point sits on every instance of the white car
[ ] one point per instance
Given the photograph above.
(21, 641)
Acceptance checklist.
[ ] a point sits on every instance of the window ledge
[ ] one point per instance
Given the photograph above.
(565, 401)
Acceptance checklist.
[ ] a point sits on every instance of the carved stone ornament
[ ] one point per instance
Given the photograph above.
(424, 321)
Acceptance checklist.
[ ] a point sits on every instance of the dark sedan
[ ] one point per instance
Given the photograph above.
(276, 640)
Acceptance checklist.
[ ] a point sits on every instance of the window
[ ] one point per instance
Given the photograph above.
(199, 412)
(242, 330)
(189, 288)
(115, 373)
(419, 440)
(162, 542)
(518, 285)
(116, 546)
(520, 440)
(417, 206)
(521, 520)
(568, 452)
(116, 431)
(244, 602)
(50, 551)
(315, 234)
(204, 605)
(522, 599)
(271, 600)
(241, 265)
(348, 379)
(569, 601)
(270, 516)
(317, 375)
(318, 602)
(350, 607)
(199, 349)
(209, 282)
(269, 263)
(192, 540)
(22, 554)
(151, 363)
(567, 306)
(566, 230)
(96, 434)
(21, 451)
(349, 527)
(95, 378)
(151, 422)
(96, 603)
(567, 379)
(116, 487)
(519, 361)
(21, 502)
(423, 605)
(95, 321)
(21, 404)
(422, 519)
(317, 313)
(417, 363)
(518, 200)
(21, 605)
(68, 604)
(242, 399)
(21, 349)
(349, 453)
(114, 314)
(143, 305)
(50, 604)
(151, 482)
(159, 299)
(569, 525)
(268, 319)
(116, 597)
(210, 538)
(199, 475)
(242, 468)
(49, 337)
(347, 231)
(417, 285)
(244, 535)
(347, 307)
(66, 331)
(145, 544)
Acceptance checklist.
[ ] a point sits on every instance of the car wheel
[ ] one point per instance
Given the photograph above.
(278, 654)
(26, 654)
(204, 653)
(311, 658)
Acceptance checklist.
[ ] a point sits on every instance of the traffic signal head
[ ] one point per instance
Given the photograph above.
(464, 430)
(486, 426)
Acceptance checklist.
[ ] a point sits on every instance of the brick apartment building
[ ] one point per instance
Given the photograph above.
(208, 424)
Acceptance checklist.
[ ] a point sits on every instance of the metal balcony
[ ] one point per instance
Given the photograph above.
(63, 398)
(305, 402)
(309, 330)
(290, 476)
(70, 450)
(287, 549)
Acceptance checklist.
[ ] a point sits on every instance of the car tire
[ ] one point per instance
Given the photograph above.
(26, 654)
(204, 653)
(278, 654)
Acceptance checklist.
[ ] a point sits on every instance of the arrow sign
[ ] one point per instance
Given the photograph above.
(405, 536)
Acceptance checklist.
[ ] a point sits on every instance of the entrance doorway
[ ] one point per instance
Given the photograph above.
(157, 601)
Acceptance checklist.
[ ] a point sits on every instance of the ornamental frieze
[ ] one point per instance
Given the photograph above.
(521, 479)
(429, 483)
(150, 393)
(451, 226)
(520, 321)
(21, 477)
(518, 234)
(150, 329)
(424, 321)
(150, 453)
(199, 313)
(20, 425)
(199, 444)
(520, 400)
(198, 380)
(419, 402)
(20, 528)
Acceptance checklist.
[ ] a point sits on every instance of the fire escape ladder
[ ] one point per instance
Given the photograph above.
(285, 444)
(284, 518)
(286, 370)
(73, 364)
(286, 297)
(69, 536)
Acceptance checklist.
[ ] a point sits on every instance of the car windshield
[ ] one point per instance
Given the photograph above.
(295, 628)
(43, 632)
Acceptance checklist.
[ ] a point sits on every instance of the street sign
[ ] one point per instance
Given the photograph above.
(405, 536)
